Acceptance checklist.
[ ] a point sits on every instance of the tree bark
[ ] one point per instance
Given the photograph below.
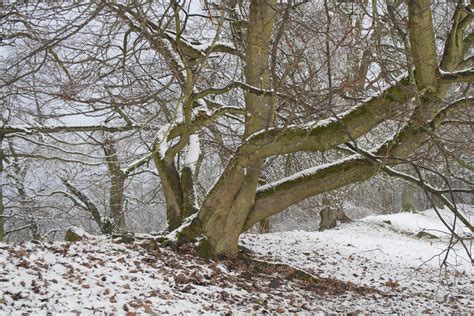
(178, 188)
(408, 197)
(226, 208)
(171, 183)
(187, 187)
(117, 185)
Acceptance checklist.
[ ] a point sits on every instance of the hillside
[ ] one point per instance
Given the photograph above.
(377, 264)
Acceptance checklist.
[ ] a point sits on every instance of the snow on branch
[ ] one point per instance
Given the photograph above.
(136, 164)
(305, 173)
(7, 130)
(199, 49)
(333, 131)
(234, 85)
(202, 119)
(161, 143)
(466, 75)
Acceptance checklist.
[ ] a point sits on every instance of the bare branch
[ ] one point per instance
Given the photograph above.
(89, 206)
(8, 130)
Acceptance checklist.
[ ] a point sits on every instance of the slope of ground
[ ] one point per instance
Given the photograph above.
(371, 265)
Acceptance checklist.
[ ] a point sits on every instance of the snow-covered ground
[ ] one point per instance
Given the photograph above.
(377, 264)
(382, 252)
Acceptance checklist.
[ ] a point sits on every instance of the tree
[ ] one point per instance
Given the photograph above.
(234, 204)
(249, 86)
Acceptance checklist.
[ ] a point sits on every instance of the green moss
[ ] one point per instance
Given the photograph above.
(108, 226)
(71, 236)
(190, 232)
(331, 128)
(397, 94)
(204, 249)
(423, 234)
(164, 242)
(308, 178)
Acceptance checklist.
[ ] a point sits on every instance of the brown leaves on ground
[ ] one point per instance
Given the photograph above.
(392, 284)
(260, 286)
(308, 281)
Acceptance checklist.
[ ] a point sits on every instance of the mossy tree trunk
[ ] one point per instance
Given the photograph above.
(178, 190)
(226, 208)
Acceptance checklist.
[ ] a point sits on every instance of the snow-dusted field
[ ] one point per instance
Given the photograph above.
(377, 264)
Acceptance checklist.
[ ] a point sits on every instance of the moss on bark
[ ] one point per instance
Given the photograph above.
(204, 249)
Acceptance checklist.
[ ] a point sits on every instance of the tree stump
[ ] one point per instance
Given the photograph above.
(330, 216)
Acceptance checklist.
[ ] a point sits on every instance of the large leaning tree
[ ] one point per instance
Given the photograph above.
(220, 95)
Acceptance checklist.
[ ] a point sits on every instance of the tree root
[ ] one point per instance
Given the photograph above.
(308, 280)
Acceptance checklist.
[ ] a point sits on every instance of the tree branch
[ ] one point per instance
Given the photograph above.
(455, 46)
(7, 130)
(197, 50)
(87, 202)
(326, 134)
(419, 182)
(273, 198)
(458, 76)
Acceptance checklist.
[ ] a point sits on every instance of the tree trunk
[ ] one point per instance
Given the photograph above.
(328, 218)
(408, 196)
(226, 208)
(189, 197)
(117, 199)
(171, 184)
(178, 190)
(117, 185)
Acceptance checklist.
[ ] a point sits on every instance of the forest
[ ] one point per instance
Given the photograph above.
(206, 126)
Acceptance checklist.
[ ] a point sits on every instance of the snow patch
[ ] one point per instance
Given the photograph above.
(193, 152)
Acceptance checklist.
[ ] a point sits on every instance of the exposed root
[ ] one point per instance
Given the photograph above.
(325, 286)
